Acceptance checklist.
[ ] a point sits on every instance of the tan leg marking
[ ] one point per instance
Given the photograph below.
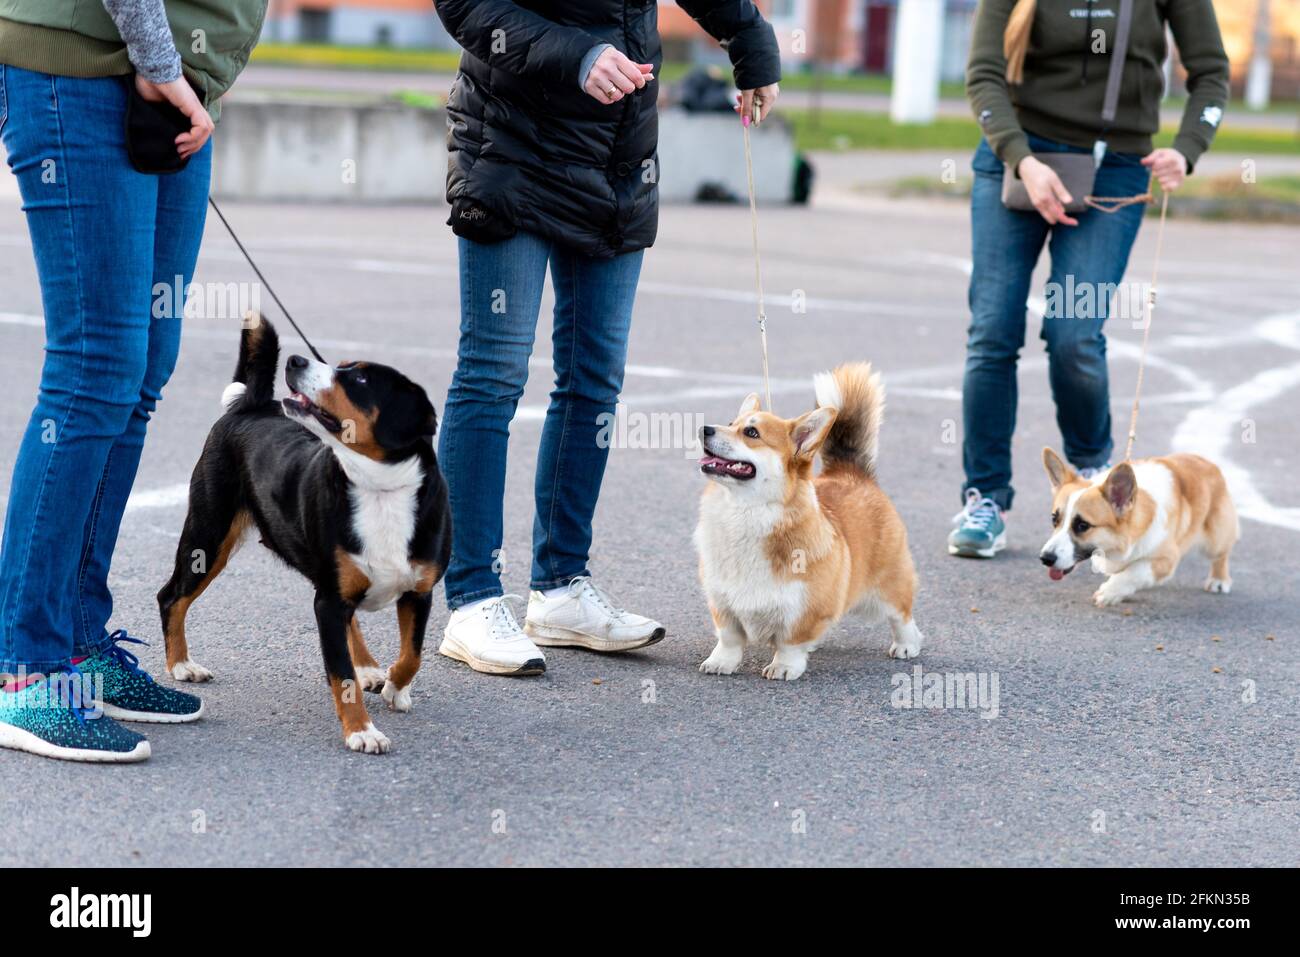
(174, 636)
(408, 662)
(350, 708)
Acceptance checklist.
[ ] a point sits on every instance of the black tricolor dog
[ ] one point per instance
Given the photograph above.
(341, 482)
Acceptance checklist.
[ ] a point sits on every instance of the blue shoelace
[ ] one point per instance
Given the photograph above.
(123, 657)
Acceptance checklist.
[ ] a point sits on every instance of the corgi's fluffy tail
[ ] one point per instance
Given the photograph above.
(255, 374)
(859, 395)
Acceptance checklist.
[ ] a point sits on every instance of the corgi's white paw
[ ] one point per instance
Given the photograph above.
(1108, 595)
(399, 699)
(370, 740)
(190, 671)
(723, 660)
(905, 649)
(371, 678)
(1219, 586)
(780, 670)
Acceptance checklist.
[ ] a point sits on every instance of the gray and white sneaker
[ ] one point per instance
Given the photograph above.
(584, 616)
(487, 637)
(1092, 472)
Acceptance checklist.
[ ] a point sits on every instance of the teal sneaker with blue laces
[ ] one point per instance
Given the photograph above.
(981, 530)
(55, 716)
(130, 693)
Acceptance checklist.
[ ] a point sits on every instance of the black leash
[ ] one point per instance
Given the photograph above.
(302, 335)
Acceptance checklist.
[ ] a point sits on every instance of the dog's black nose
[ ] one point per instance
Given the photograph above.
(1047, 558)
(298, 362)
(706, 430)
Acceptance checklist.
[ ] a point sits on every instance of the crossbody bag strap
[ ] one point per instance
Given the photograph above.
(1117, 56)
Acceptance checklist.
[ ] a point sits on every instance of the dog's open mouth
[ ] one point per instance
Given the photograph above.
(1056, 574)
(712, 464)
(298, 404)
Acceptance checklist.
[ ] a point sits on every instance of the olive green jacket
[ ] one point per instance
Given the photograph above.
(1066, 69)
(78, 38)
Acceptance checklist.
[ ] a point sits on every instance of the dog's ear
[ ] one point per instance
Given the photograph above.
(1120, 488)
(1059, 473)
(404, 421)
(809, 431)
(749, 406)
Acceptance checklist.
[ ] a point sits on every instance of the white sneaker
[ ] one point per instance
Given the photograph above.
(487, 637)
(583, 616)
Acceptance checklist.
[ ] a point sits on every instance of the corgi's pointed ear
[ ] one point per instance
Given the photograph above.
(1059, 473)
(1120, 488)
(750, 405)
(809, 431)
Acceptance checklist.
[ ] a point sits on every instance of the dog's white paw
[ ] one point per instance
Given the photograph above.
(907, 640)
(399, 699)
(905, 649)
(779, 670)
(1219, 586)
(1109, 594)
(723, 660)
(370, 678)
(370, 740)
(190, 671)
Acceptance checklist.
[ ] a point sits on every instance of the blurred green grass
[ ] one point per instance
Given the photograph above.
(851, 130)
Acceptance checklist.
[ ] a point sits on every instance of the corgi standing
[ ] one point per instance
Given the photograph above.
(785, 554)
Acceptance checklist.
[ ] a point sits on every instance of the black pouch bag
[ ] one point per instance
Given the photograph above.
(477, 223)
(151, 131)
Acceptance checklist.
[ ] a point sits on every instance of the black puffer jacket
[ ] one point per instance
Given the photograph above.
(530, 150)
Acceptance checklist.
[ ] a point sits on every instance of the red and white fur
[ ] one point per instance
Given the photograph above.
(785, 554)
(1138, 520)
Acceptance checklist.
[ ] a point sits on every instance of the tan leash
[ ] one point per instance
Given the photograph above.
(758, 268)
(1150, 315)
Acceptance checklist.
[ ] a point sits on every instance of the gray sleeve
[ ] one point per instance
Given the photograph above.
(589, 61)
(148, 37)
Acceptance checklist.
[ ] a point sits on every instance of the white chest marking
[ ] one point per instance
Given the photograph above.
(735, 570)
(383, 498)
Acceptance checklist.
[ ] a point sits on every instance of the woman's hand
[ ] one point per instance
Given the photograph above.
(1046, 191)
(182, 96)
(613, 76)
(1169, 167)
(756, 104)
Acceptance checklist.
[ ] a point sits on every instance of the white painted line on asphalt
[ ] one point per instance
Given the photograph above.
(169, 496)
(1209, 430)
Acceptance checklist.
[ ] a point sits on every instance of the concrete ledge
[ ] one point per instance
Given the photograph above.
(297, 150)
(294, 150)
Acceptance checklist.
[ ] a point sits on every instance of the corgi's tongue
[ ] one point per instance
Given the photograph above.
(1055, 574)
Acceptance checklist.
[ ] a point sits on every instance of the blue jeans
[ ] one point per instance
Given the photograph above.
(103, 235)
(1005, 247)
(500, 297)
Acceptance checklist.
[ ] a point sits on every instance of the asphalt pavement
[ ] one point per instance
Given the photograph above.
(1161, 733)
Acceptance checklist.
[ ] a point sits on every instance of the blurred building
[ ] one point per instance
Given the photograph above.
(382, 23)
(840, 35)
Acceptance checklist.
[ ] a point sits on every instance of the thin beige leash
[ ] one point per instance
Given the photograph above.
(758, 268)
(1146, 332)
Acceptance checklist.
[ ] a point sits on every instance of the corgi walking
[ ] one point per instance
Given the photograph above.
(1062, 96)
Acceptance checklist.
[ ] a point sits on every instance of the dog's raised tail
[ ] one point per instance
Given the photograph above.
(859, 395)
(255, 373)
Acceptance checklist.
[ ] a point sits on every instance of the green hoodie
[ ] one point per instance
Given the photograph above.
(1066, 68)
(78, 38)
